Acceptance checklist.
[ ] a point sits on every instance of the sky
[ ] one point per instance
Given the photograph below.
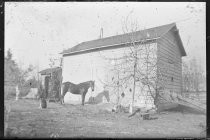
(37, 31)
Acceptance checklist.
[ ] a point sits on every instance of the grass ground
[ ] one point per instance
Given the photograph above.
(27, 120)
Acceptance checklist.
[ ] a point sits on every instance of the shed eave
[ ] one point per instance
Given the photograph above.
(183, 52)
(101, 47)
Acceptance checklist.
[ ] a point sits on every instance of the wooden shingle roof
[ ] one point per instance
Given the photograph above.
(147, 34)
(49, 70)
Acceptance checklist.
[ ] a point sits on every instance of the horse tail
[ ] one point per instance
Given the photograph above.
(62, 89)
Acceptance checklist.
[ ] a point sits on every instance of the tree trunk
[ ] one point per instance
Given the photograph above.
(134, 87)
(118, 94)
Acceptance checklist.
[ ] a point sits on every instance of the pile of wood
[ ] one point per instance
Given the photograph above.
(120, 109)
(192, 104)
(144, 114)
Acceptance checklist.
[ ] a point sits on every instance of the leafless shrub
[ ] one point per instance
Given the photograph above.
(7, 110)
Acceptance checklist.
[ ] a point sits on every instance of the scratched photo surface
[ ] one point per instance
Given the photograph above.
(105, 69)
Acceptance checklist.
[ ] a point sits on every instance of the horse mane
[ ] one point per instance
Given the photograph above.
(89, 81)
(86, 82)
(83, 83)
(69, 83)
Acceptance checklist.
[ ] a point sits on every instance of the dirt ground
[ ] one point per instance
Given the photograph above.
(26, 119)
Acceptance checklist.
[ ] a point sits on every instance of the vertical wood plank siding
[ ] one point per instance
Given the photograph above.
(169, 52)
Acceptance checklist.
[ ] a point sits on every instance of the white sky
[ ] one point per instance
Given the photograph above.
(34, 30)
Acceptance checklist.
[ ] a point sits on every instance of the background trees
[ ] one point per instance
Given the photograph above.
(193, 76)
(15, 75)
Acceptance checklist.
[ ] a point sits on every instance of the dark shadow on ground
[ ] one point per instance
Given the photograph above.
(186, 110)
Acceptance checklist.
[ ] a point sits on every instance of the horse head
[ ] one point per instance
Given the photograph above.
(92, 85)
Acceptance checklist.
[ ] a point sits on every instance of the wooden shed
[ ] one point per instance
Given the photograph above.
(87, 61)
(51, 81)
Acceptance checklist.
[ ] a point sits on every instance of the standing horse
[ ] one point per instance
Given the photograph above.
(80, 89)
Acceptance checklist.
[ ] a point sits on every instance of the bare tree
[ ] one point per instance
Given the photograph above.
(193, 76)
(139, 65)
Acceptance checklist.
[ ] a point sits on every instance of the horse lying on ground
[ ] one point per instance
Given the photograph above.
(99, 97)
(79, 89)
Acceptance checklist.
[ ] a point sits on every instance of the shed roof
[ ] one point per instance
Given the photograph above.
(49, 70)
(147, 34)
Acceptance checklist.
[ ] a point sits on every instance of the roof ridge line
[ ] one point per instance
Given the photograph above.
(129, 33)
(174, 24)
(156, 29)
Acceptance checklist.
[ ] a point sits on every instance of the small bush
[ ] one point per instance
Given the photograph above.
(9, 92)
(24, 91)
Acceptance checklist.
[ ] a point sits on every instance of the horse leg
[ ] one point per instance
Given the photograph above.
(82, 93)
(62, 98)
(83, 98)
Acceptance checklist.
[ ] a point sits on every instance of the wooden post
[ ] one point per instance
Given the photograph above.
(61, 79)
(17, 93)
(38, 84)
